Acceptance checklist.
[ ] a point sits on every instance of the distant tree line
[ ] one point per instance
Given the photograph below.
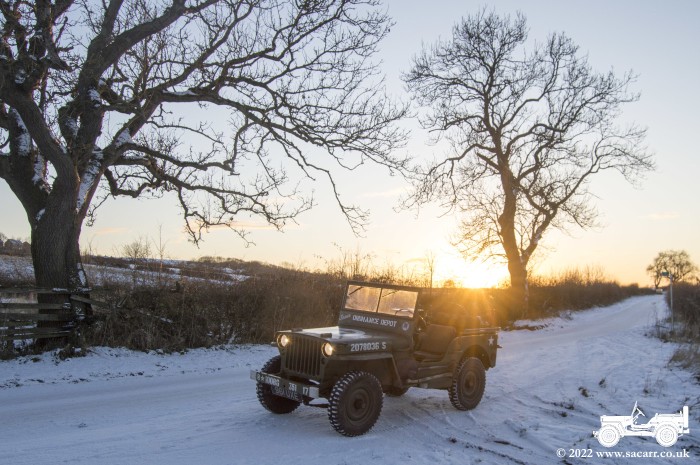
(14, 246)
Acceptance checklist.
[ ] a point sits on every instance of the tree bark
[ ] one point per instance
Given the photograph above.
(519, 291)
(56, 252)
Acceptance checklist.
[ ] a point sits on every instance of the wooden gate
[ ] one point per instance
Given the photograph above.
(23, 318)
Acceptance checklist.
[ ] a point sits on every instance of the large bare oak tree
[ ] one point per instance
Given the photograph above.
(528, 127)
(211, 101)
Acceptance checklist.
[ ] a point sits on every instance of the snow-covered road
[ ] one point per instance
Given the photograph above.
(546, 392)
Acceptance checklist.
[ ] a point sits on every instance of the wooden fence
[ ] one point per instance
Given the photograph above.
(22, 318)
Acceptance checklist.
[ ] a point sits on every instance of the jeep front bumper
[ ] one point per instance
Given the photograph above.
(284, 387)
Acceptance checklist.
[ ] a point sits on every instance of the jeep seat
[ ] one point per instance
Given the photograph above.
(433, 343)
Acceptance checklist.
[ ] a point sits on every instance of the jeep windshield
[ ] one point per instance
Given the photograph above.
(389, 301)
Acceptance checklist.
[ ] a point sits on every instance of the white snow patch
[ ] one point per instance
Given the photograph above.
(124, 137)
(24, 140)
(185, 93)
(39, 177)
(90, 177)
(72, 126)
(82, 277)
(94, 95)
(40, 214)
(17, 267)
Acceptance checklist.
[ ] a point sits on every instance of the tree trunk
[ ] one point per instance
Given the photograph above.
(56, 257)
(517, 264)
(519, 291)
(55, 245)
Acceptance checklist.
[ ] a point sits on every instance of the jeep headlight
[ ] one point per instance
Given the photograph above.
(327, 349)
(283, 341)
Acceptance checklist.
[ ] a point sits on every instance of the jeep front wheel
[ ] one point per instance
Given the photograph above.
(666, 435)
(355, 403)
(468, 384)
(608, 436)
(274, 403)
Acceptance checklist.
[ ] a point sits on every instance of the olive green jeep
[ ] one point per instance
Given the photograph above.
(385, 343)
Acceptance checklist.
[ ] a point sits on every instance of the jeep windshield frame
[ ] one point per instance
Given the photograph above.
(398, 301)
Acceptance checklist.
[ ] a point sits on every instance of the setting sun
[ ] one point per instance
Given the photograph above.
(467, 274)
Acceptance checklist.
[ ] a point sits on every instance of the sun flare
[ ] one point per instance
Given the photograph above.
(453, 268)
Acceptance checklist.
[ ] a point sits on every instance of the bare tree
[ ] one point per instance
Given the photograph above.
(228, 105)
(656, 269)
(429, 262)
(674, 262)
(137, 252)
(527, 129)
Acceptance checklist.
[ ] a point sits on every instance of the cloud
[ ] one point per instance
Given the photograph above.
(663, 216)
(416, 261)
(251, 226)
(110, 231)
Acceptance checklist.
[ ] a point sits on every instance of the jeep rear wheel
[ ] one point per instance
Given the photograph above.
(608, 436)
(272, 402)
(468, 384)
(666, 435)
(355, 403)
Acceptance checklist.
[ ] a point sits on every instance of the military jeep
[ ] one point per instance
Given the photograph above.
(385, 343)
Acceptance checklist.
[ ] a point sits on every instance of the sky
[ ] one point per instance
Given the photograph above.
(658, 41)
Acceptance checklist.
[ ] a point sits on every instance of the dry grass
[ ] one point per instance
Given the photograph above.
(686, 307)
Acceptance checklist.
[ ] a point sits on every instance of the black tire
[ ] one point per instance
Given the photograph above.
(270, 401)
(355, 403)
(395, 392)
(468, 384)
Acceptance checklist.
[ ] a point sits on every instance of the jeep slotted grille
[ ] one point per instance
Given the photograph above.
(303, 356)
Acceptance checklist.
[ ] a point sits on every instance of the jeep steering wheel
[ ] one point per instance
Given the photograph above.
(408, 311)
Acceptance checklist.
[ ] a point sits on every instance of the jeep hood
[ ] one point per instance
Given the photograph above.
(339, 335)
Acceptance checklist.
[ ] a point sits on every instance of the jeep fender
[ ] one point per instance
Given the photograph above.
(618, 426)
(478, 352)
(382, 366)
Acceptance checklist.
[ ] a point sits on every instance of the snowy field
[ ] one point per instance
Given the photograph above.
(20, 267)
(547, 392)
